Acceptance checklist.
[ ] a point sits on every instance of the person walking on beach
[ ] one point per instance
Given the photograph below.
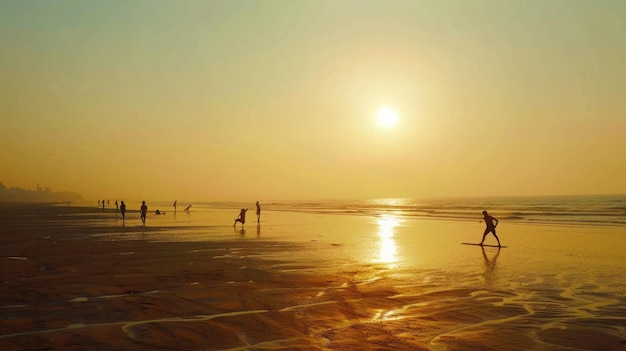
(144, 212)
(491, 227)
(258, 212)
(117, 207)
(102, 205)
(175, 201)
(241, 218)
(123, 211)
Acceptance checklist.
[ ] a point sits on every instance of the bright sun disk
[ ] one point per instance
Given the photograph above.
(387, 117)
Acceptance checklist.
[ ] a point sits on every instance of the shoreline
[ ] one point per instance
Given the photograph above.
(574, 210)
(75, 279)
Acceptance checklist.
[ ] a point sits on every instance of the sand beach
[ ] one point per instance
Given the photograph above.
(75, 278)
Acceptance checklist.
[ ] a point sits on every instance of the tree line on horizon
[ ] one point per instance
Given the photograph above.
(16, 194)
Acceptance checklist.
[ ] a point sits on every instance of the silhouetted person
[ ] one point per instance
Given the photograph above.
(117, 207)
(102, 205)
(258, 212)
(491, 227)
(175, 201)
(144, 212)
(241, 218)
(123, 210)
(188, 207)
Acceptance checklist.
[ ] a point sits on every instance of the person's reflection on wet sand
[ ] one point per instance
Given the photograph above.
(241, 232)
(490, 266)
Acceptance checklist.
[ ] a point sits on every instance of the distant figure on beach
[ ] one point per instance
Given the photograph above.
(258, 212)
(241, 218)
(159, 212)
(144, 212)
(102, 205)
(188, 207)
(123, 210)
(491, 227)
(117, 207)
(175, 201)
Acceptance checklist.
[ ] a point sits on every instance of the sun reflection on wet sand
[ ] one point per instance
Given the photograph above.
(388, 250)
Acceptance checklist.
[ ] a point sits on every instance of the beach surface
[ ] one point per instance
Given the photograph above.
(78, 278)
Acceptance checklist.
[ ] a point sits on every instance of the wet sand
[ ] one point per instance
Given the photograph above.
(74, 279)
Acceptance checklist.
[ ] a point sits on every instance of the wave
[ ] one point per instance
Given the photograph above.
(569, 210)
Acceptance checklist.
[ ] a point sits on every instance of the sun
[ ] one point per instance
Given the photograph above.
(386, 117)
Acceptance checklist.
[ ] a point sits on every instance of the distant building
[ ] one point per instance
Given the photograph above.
(15, 194)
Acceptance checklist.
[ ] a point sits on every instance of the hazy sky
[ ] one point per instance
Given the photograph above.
(276, 100)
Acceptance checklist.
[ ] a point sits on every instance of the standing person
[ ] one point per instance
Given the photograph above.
(491, 227)
(117, 207)
(144, 212)
(175, 201)
(102, 205)
(241, 218)
(258, 212)
(123, 211)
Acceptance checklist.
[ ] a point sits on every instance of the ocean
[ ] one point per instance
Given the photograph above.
(589, 210)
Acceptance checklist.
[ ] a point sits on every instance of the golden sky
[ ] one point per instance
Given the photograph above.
(277, 100)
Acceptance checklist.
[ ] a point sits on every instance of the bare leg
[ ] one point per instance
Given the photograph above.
(494, 234)
(484, 235)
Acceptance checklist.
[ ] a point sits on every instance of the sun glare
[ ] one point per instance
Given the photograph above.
(388, 250)
(386, 117)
